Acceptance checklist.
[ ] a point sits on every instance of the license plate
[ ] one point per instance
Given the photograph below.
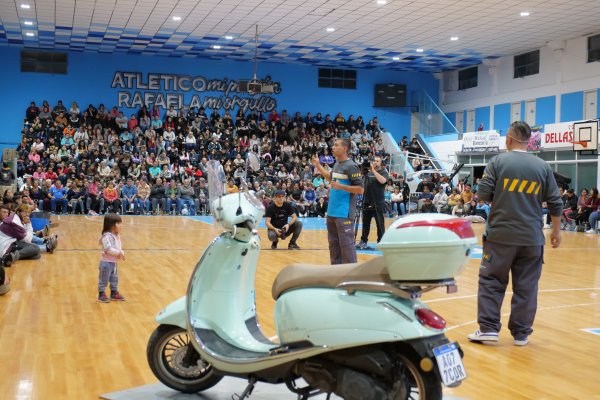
(450, 364)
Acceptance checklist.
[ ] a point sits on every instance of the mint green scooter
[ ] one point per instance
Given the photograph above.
(356, 330)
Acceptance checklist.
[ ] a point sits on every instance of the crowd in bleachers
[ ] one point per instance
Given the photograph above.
(154, 161)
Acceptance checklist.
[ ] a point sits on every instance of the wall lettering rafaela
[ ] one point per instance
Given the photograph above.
(167, 90)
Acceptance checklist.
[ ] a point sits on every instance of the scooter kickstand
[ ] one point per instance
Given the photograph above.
(247, 392)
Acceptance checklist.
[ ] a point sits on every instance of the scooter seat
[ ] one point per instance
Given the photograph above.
(296, 276)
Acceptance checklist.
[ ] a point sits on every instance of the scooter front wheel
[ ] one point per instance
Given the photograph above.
(176, 363)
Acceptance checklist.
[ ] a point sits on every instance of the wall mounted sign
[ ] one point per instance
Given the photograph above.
(186, 91)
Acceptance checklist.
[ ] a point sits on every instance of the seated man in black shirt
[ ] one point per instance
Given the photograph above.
(277, 221)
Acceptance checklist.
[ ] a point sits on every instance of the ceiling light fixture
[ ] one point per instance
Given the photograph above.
(176, 18)
(396, 58)
(29, 23)
(29, 34)
(25, 6)
(420, 50)
(454, 38)
(228, 37)
(524, 13)
(382, 2)
(330, 30)
(216, 47)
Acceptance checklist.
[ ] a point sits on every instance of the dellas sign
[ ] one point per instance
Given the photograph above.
(557, 136)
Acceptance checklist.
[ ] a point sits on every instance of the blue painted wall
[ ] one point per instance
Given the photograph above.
(545, 110)
(571, 106)
(450, 119)
(482, 116)
(502, 117)
(91, 74)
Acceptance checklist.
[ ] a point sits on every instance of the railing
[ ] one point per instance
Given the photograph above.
(432, 120)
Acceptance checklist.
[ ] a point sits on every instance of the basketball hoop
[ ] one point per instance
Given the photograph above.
(582, 144)
(585, 137)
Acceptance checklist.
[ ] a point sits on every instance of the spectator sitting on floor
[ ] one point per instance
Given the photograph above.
(16, 235)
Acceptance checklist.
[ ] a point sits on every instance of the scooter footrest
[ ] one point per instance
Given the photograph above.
(284, 348)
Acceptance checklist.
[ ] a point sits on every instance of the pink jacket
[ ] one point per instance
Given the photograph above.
(111, 247)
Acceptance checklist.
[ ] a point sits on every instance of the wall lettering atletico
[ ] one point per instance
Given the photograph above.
(180, 91)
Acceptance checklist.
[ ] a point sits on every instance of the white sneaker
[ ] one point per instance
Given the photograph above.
(547, 226)
(521, 342)
(479, 336)
(590, 231)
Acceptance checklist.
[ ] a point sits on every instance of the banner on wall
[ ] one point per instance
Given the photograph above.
(558, 136)
(184, 91)
(481, 142)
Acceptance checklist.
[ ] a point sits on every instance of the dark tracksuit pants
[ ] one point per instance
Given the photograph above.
(340, 233)
(294, 230)
(524, 263)
(372, 211)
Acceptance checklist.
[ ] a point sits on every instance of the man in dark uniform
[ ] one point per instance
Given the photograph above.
(373, 202)
(277, 215)
(346, 183)
(517, 182)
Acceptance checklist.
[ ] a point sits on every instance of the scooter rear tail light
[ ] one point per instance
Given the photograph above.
(430, 319)
(461, 227)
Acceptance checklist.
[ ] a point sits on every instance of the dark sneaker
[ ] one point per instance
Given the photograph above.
(103, 298)
(274, 246)
(10, 259)
(293, 246)
(362, 246)
(116, 296)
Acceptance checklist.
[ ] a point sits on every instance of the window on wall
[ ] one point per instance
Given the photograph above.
(337, 78)
(594, 48)
(44, 62)
(527, 64)
(467, 78)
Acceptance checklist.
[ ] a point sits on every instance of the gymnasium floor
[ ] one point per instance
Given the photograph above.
(58, 342)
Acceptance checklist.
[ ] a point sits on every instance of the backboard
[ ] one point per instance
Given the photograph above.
(585, 137)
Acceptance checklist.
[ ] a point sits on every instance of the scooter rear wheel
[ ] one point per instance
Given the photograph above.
(166, 352)
(412, 383)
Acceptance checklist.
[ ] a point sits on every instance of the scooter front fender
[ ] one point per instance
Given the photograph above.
(173, 314)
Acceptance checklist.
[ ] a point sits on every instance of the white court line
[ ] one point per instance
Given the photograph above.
(99, 218)
(539, 309)
(470, 296)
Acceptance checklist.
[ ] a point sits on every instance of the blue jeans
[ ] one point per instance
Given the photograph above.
(399, 208)
(143, 204)
(63, 204)
(108, 274)
(39, 242)
(127, 204)
(189, 203)
(594, 218)
(170, 203)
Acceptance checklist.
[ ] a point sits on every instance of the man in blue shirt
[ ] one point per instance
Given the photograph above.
(58, 194)
(129, 194)
(346, 182)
